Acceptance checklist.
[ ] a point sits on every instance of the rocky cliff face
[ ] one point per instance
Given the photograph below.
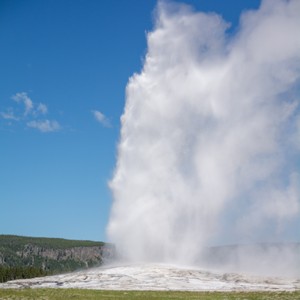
(87, 256)
(53, 255)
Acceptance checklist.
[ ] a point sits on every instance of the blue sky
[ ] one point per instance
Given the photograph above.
(64, 66)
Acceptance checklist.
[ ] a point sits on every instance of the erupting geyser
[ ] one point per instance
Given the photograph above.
(210, 141)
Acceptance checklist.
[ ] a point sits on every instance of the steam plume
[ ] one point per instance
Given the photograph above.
(209, 147)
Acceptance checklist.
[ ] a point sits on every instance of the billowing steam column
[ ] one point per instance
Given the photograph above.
(210, 138)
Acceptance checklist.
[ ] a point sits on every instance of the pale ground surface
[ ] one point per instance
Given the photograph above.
(157, 277)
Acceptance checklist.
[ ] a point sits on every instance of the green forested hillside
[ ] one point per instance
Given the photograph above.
(17, 242)
(25, 257)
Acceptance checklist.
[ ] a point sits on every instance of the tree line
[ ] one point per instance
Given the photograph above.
(11, 273)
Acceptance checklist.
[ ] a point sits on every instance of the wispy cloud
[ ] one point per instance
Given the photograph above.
(101, 118)
(9, 115)
(30, 106)
(45, 125)
(23, 97)
(42, 108)
(33, 115)
(296, 136)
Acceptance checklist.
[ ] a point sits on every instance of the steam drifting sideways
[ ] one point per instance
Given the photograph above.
(210, 141)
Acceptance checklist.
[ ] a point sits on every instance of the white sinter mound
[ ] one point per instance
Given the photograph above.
(157, 277)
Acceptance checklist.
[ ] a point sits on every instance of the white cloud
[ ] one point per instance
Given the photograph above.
(31, 113)
(101, 118)
(31, 108)
(9, 115)
(23, 97)
(207, 130)
(42, 108)
(44, 125)
(296, 136)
